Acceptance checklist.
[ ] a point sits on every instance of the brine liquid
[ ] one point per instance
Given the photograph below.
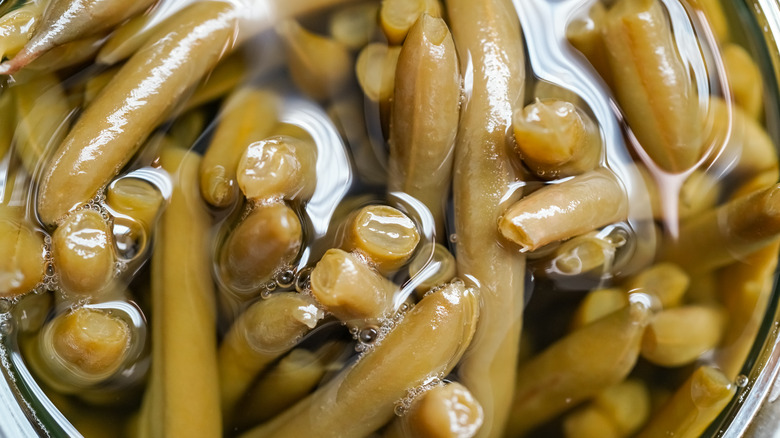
(351, 172)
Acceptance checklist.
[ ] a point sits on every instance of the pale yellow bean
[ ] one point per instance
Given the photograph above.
(443, 262)
(280, 166)
(424, 117)
(577, 367)
(396, 17)
(665, 281)
(585, 34)
(652, 83)
(264, 242)
(383, 234)
(598, 304)
(184, 342)
(482, 173)
(350, 289)
(265, 331)
(22, 265)
(678, 336)
(247, 116)
(83, 249)
(446, 411)
(320, 66)
(745, 288)
(555, 139)
(744, 77)
(362, 398)
(355, 25)
(561, 211)
(692, 407)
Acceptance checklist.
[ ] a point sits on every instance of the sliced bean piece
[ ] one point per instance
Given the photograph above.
(396, 17)
(598, 304)
(587, 253)
(678, 336)
(425, 112)
(67, 55)
(626, 404)
(268, 239)
(175, 59)
(350, 289)
(385, 235)
(589, 422)
(184, 344)
(354, 26)
(96, 83)
(745, 80)
(84, 347)
(749, 150)
(759, 182)
(733, 230)
(561, 211)
(22, 265)
(126, 39)
(17, 27)
(319, 66)
(585, 34)
(226, 77)
(444, 267)
(83, 249)
(652, 83)
(362, 398)
(31, 311)
(42, 111)
(490, 44)
(745, 288)
(618, 411)
(700, 192)
(188, 128)
(445, 411)
(665, 281)
(577, 367)
(290, 380)
(247, 116)
(266, 330)
(64, 21)
(136, 198)
(555, 139)
(280, 166)
(693, 406)
(375, 69)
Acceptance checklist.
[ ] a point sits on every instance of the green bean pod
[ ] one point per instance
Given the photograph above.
(141, 95)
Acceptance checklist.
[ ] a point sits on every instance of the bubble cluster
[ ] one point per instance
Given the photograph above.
(412, 394)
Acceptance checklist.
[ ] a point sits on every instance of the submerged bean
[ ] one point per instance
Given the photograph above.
(83, 249)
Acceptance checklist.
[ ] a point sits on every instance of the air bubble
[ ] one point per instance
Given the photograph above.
(50, 269)
(270, 286)
(6, 328)
(368, 335)
(265, 294)
(453, 238)
(741, 381)
(303, 280)
(119, 268)
(285, 278)
(354, 331)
